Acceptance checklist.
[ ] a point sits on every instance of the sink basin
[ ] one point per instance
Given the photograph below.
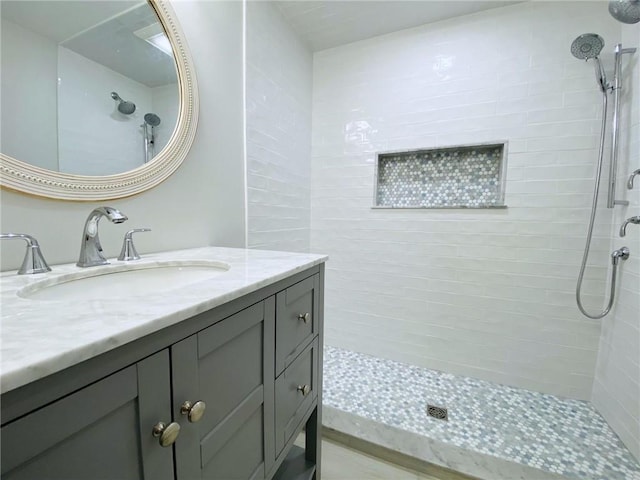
(123, 281)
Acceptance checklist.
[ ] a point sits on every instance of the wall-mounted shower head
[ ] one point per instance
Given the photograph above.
(124, 107)
(152, 119)
(587, 47)
(625, 11)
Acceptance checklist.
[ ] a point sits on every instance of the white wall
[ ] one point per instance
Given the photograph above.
(29, 82)
(616, 390)
(202, 203)
(279, 74)
(486, 293)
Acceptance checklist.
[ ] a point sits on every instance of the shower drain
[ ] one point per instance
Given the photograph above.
(440, 413)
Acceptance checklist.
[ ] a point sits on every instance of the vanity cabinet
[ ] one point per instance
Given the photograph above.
(99, 432)
(215, 375)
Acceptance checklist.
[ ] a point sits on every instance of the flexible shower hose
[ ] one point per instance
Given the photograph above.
(594, 205)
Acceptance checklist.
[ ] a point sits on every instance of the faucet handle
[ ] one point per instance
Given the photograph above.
(33, 261)
(128, 251)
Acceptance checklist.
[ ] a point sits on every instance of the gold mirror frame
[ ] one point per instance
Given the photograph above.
(22, 177)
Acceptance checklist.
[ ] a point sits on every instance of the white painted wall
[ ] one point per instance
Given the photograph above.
(279, 74)
(28, 95)
(488, 293)
(202, 203)
(616, 390)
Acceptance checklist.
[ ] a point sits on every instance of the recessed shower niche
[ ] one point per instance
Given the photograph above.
(465, 176)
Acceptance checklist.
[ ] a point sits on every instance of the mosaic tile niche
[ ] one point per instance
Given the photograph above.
(470, 176)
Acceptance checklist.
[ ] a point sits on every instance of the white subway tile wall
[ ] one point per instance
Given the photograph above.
(278, 109)
(616, 389)
(487, 294)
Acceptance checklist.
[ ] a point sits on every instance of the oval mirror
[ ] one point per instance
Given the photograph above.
(99, 98)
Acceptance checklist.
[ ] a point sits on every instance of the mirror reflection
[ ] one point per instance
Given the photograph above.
(88, 87)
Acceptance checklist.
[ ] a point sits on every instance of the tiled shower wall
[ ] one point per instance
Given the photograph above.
(278, 96)
(488, 294)
(616, 389)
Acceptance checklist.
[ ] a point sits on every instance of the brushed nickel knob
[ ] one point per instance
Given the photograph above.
(166, 433)
(193, 412)
(304, 390)
(305, 317)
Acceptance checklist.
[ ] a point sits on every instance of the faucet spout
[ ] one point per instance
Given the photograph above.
(90, 248)
(631, 177)
(634, 220)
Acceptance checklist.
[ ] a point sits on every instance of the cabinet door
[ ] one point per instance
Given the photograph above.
(103, 431)
(225, 366)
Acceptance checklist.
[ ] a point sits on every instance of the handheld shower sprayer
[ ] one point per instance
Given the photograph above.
(151, 120)
(587, 47)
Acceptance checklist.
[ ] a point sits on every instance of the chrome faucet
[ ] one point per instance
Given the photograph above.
(90, 249)
(635, 220)
(33, 261)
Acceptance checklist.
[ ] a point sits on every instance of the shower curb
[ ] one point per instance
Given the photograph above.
(424, 449)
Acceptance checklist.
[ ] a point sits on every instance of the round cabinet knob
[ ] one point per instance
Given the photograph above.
(166, 433)
(304, 389)
(193, 412)
(305, 317)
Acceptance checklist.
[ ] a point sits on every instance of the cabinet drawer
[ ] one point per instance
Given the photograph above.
(296, 389)
(296, 320)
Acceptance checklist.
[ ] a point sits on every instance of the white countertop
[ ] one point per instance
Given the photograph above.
(41, 337)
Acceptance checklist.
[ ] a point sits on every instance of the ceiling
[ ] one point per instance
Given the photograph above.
(102, 31)
(328, 24)
(61, 20)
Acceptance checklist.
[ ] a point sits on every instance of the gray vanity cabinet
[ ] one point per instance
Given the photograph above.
(254, 364)
(99, 432)
(225, 367)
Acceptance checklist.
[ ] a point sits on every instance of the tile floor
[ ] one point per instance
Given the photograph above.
(340, 462)
(566, 437)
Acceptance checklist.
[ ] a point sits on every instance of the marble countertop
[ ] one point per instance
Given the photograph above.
(41, 337)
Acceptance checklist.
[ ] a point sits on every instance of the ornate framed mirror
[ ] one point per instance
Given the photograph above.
(124, 110)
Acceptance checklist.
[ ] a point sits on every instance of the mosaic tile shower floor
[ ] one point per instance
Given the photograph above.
(567, 437)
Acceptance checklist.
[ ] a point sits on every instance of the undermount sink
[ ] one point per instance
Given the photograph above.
(122, 281)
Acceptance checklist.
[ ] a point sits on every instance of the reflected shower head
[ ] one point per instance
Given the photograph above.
(626, 11)
(124, 107)
(586, 46)
(152, 119)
